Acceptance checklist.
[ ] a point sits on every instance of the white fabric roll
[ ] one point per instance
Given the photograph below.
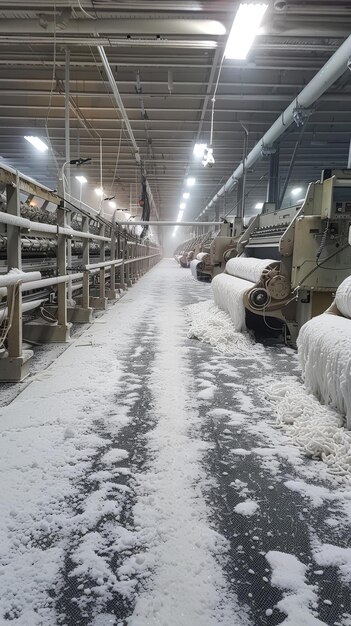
(228, 294)
(343, 297)
(193, 265)
(247, 268)
(201, 255)
(324, 348)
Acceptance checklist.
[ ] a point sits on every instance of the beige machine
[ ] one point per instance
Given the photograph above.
(310, 244)
(211, 254)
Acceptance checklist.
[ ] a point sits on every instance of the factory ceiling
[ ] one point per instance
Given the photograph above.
(165, 58)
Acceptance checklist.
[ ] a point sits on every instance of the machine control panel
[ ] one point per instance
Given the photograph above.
(336, 199)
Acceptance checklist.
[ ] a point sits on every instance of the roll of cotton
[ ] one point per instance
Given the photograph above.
(324, 348)
(343, 297)
(247, 268)
(228, 293)
(193, 266)
(201, 256)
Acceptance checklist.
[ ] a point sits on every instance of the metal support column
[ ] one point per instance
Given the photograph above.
(239, 198)
(112, 291)
(15, 366)
(83, 313)
(66, 171)
(60, 332)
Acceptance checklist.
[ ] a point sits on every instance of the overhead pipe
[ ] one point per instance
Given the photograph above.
(326, 76)
(166, 223)
(119, 101)
(120, 104)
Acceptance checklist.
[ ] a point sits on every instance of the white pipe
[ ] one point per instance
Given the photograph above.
(22, 222)
(165, 223)
(37, 283)
(329, 73)
(49, 282)
(26, 306)
(119, 101)
(93, 266)
(7, 280)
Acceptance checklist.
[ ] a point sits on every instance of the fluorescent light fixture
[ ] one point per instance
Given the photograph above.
(81, 179)
(245, 27)
(182, 205)
(190, 182)
(37, 143)
(180, 215)
(199, 149)
(112, 204)
(186, 195)
(296, 191)
(259, 205)
(99, 191)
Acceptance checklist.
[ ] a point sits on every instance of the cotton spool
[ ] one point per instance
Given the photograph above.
(248, 268)
(228, 293)
(193, 265)
(324, 348)
(343, 297)
(228, 289)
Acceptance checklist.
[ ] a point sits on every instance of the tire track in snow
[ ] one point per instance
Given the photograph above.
(187, 586)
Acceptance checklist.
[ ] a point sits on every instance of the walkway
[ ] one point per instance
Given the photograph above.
(144, 483)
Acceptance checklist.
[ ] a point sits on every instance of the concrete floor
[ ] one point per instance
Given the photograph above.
(161, 374)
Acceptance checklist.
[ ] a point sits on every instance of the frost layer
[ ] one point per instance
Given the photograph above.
(228, 293)
(324, 348)
(247, 268)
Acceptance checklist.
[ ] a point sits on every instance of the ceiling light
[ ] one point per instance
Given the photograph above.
(182, 205)
(296, 191)
(190, 182)
(81, 179)
(246, 23)
(37, 143)
(180, 215)
(112, 204)
(99, 191)
(199, 149)
(259, 205)
(186, 195)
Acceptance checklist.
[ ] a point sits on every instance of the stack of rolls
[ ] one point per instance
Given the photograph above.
(324, 349)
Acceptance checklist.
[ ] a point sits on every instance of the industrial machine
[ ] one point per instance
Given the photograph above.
(305, 253)
(210, 253)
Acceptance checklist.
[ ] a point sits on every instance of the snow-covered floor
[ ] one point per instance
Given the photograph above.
(144, 483)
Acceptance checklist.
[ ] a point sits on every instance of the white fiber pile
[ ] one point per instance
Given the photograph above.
(193, 265)
(201, 256)
(343, 297)
(317, 430)
(247, 268)
(228, 294)
(211, 325)
(324, 347)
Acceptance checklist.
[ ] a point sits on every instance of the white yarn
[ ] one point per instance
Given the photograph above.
(211, 325)
(201, 256)
(324, 347)
(316, 429)
(193, 265)
(228, 294)
(343, 297)
(247, 268)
